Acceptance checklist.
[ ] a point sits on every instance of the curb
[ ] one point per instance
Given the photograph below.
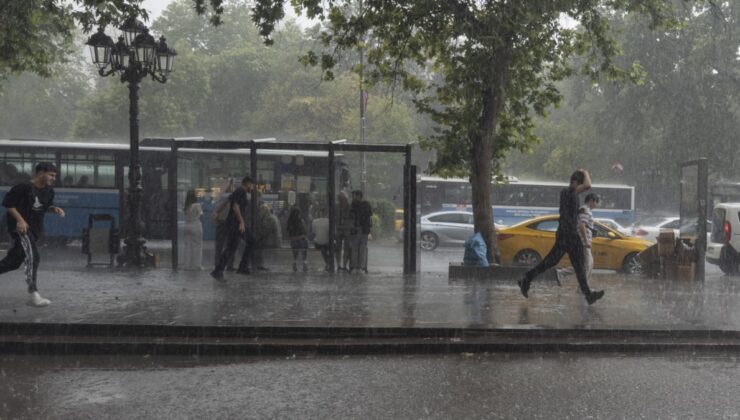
(111, 339)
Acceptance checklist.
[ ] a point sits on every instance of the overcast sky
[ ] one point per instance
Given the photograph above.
(155, 7)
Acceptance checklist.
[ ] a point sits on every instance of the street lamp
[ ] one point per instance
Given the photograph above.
(135, 56)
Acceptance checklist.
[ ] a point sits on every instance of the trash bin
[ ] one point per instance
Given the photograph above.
(101, 237)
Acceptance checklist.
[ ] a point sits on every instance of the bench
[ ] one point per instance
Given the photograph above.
(460, 271)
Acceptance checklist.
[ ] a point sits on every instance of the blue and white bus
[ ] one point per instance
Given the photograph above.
(92, 179)
(515, 201)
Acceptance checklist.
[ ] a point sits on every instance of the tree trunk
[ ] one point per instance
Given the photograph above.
(482, 143)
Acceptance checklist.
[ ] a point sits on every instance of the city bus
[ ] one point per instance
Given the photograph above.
(92, 179)
(515, 201)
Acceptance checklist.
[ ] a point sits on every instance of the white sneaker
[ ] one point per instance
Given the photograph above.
(36, 300)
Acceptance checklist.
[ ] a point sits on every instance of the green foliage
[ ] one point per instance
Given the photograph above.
(685, 107)
(33, 36)
(35, 107)
(37, 34)
(498, 61)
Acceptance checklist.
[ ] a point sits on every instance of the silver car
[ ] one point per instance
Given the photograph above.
(446, 228)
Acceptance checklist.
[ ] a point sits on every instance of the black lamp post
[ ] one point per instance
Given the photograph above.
(135, 56)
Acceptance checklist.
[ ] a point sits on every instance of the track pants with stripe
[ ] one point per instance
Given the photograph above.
(23, 251)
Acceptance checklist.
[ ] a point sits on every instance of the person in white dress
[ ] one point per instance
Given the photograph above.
(193, 257)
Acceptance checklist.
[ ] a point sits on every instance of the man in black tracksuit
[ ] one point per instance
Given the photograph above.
(26, 204)
(567, 239)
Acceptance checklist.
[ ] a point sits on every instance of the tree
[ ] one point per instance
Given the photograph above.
(37, 34)
(37, 107)
(686, 98)
(499, 62)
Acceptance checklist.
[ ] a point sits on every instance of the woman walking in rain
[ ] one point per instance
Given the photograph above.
(567, 239)
(193, 232)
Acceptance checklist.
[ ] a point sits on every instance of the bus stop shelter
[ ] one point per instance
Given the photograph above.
(410, 218)
(694, 209)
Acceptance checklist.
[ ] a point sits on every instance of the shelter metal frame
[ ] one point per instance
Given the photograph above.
(410, 217)
(702, 172)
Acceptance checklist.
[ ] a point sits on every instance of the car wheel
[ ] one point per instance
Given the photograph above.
(527, 257)
(632, 264)
(428, 241)
(728, 261)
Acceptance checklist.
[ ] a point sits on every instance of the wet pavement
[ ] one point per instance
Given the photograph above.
(121, 372)
(380, 299)
(490, 386)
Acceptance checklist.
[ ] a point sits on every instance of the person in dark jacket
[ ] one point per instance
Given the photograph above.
(26, 204)
(298, 237)
(362, 215)
(567, 239)
(238, 230)
(219, 216)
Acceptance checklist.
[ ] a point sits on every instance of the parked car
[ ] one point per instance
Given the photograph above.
(649, 227)
(612, 224)
(446, 228)
(528, 242)
(723, 247)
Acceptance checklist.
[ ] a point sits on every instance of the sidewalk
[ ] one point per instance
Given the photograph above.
(160, 311)
(374, 300)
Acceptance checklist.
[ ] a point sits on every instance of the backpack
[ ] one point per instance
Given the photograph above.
(475, 251)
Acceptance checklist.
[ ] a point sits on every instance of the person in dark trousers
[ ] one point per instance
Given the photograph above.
(298, 238)
(220, 216)
(344, 228)
(362, 221)
(567, 239)
(26, 204)
(237, 223)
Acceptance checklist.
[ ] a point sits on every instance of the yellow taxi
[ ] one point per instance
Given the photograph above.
(398, 220)
(528, 242)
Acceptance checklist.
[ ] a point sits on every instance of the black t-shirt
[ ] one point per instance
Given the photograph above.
(32, 203)
(362, 215)
(239, 196)
(568, 211)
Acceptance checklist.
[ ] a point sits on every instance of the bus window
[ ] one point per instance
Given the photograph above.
(457, 193)
(430, 198)
(614, 198)
(19, 166)
(106, 174)
(87, 170)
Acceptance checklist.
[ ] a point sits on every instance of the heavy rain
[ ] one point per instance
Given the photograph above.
(362, 209)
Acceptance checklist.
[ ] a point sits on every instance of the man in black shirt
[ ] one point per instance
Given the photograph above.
(567, 239)
(26, 204)
(237, 226)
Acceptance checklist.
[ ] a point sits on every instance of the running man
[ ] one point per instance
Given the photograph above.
(26, 204)
(567, 239)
